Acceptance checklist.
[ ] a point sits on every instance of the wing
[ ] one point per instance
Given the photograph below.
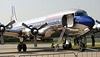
(14, 33)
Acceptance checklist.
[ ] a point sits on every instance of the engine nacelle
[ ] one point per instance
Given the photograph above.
(97, 27)
(2, 28)
(29, 32)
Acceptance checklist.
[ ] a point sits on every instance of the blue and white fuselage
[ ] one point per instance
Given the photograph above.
(72, 23)
(55, 22)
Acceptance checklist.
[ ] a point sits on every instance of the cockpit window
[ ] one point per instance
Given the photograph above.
(80, 13)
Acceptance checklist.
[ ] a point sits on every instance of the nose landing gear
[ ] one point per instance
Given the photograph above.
(21, 46)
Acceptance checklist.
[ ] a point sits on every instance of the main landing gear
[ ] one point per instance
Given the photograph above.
(67, 46)
(82, 46)
(21, 46)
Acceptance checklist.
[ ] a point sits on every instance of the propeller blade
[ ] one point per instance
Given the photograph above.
(93, 40)
(43, 26)
(12, 22)
(26, 25)
(98, 21)
(2, 39)
(35, 41)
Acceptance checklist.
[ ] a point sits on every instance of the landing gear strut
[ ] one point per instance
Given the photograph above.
(82, 46)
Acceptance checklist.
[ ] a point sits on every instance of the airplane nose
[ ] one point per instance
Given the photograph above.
(85, 20)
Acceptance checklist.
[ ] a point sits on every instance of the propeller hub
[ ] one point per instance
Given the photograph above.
(34, 31)
(2, 28)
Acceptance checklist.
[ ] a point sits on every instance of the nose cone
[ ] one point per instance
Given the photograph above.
(85, 20)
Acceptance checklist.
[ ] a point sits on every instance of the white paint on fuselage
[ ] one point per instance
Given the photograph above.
(35, 20)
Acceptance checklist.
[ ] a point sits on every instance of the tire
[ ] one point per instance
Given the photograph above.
(64, 46)
(70, 45)
(82, 47)
(24, 47)
(19, 47)
(67, 46)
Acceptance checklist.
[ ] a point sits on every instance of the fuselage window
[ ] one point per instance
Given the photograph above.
(80, 13)
(36, 24)
(40, 23)
(55, 21)
(44, 22)
(47, 22)
(59, 20)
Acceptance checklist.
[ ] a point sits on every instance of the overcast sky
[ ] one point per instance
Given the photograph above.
(28, 9)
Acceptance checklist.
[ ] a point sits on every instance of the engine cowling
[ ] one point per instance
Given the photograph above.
(97, 27)
(2, 28)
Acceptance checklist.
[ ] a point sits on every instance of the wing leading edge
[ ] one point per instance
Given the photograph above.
(14, 33)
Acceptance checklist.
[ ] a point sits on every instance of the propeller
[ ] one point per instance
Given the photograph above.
(2, 30)
(12, 22)
(98, 30)
(93, 40)
(26, 25)
(34, 31)
(98, 21)
(97, 26)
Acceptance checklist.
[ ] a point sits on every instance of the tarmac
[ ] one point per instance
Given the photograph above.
(11, 49)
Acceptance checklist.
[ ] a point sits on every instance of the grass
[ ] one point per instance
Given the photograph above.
(29, 42)
(89, 46)
(15, 40)
(42, 42)
(97, 40)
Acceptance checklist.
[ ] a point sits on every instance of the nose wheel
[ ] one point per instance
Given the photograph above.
(21, 46)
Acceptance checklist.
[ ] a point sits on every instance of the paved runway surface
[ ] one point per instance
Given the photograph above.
(11, 49)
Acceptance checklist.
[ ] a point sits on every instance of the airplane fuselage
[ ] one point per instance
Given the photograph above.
(55, 23)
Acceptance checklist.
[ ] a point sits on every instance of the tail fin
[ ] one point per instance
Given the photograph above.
(13, 16)
(11, 26)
